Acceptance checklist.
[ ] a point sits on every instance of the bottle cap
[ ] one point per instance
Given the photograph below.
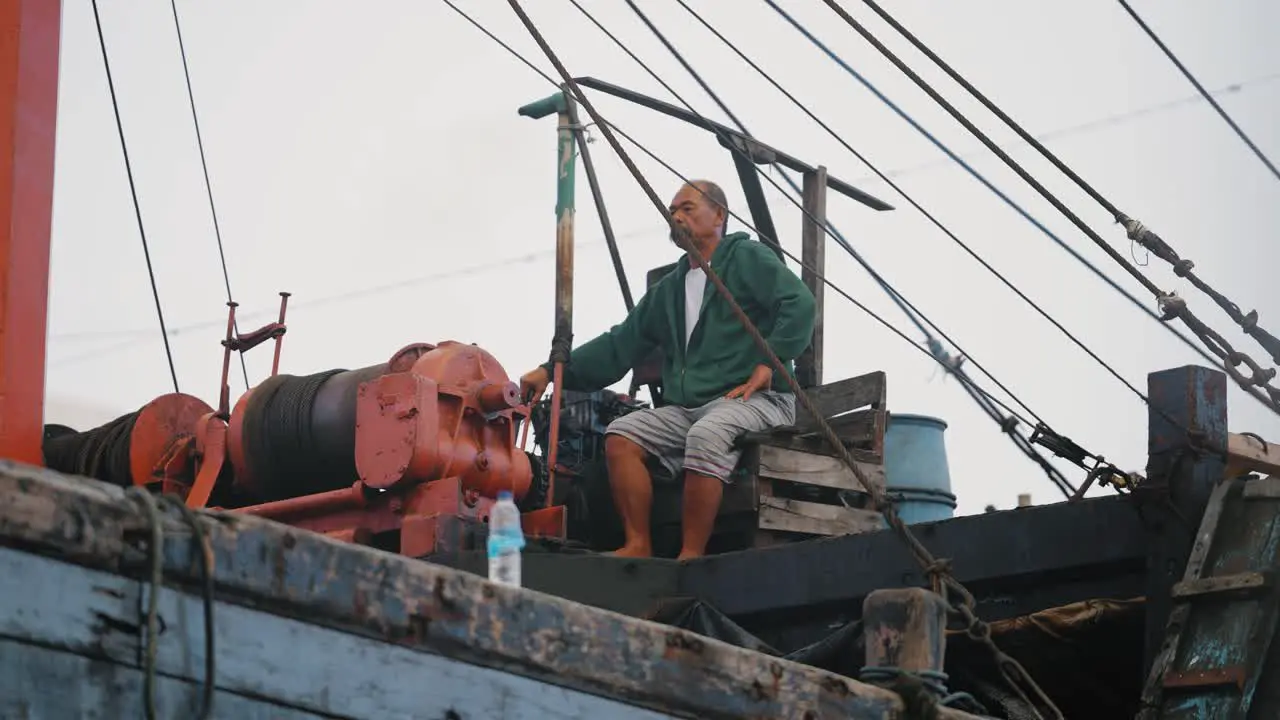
(504, 495)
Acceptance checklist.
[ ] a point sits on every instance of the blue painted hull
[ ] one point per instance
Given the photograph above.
(305, 626)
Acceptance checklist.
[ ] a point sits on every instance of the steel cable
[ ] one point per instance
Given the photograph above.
(1010, 668)
(133, 191)
(653, 156)
(725, 140)
(1023, 444)
(204, 165)
(1043, 313)
(917, 317)
(985, 182)
(1171, 306)
(1199, 88)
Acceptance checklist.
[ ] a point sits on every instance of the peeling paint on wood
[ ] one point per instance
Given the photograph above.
(429, 608)
(39, 683)
(96, 614)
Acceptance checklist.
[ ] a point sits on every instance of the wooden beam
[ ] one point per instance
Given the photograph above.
(810, 518)
(1246, 453)
(842, 396)
(813, 253)
(1106, 558)
(863, 429)
(795, 466)
(28, 114)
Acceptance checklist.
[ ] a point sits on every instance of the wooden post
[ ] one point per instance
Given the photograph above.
(1188, 410)
(28, 114)
(813, 254)
(905, 628)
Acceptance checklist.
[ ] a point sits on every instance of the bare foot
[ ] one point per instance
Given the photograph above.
(688, 555)
(633, 551)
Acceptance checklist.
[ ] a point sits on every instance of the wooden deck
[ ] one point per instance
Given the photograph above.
(306, 626)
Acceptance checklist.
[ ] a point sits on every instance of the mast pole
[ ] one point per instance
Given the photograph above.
(562, 341)
(28, 117)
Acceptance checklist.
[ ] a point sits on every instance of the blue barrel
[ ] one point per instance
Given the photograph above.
(917, 477)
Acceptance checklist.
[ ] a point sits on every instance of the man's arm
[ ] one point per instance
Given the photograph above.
(607, 358)
(794, 307)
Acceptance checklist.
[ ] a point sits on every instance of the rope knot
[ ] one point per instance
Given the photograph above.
(1171, 306)
(1182, 268)
(937, 572)
(561, 347)
(1136, 231)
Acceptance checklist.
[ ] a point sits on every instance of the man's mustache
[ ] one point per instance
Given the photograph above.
(678, 233)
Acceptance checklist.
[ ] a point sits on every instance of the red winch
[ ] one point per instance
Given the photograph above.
(402, 455)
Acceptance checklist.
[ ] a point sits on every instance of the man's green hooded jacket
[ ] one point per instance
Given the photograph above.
(721, 354)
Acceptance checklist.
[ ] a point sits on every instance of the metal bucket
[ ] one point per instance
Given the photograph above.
(917, 477)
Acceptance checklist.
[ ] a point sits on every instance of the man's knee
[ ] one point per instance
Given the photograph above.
(709, 450)
(618, 447)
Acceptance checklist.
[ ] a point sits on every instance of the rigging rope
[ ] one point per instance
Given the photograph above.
(907, 308)
(1170, 304)
(133, 190)
(987, 183)
(727, 142)
(654, 156)
(1199, 88)
(156, 555)
(1102, 123)
(979, 630)
(937, 223)
(204, 165)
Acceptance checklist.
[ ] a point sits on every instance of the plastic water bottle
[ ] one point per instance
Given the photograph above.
(506, 540)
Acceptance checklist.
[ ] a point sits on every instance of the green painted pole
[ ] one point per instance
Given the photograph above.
(566, 164)
(562, 341)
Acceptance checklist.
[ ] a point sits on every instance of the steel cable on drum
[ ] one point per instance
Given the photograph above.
(101, 453)
(278, 432)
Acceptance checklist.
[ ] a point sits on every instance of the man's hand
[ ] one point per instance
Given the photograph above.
(760, 379)
(533, 384)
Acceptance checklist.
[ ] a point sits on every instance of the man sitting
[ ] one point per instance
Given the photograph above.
(717, 384)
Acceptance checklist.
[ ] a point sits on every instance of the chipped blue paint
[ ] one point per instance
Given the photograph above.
(93, 613)
(428, 609)
(1227, 635)
(39, 683)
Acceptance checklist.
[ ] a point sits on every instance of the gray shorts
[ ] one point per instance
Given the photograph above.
(702, 439)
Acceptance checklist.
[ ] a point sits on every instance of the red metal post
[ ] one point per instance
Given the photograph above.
(29, 39)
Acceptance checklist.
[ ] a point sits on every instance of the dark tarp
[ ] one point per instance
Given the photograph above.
(1086, 656)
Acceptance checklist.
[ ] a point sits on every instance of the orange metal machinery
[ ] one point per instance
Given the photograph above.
(406, 455)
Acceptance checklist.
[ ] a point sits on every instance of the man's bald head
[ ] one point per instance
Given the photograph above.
(701, 210)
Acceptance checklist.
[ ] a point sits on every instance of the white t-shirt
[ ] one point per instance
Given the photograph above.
(695, 284)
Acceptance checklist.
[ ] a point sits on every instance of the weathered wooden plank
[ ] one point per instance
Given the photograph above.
(842, 396)
(864, 428)
(813, 243)
(809, 469)
(39, 683)
(1248, 454)
(1222, 640)
(1107, 547)
(91, 612)
(430, 608)
(1267, 488)
(812, 518)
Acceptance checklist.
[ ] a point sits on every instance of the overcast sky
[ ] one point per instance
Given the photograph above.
(368, 158)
